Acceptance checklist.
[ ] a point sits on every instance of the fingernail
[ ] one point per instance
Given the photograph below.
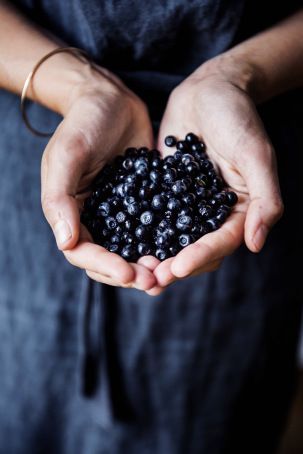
(62, 232)
(260, 237)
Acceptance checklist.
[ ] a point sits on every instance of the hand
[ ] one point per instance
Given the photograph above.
(222, 113)
(101, 119)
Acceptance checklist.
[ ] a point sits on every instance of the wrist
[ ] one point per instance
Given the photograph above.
(237, 70)
(63, 78)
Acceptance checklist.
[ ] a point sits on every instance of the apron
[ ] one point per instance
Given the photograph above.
(209, 366)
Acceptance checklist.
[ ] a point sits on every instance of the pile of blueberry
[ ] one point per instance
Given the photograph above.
(142, 204)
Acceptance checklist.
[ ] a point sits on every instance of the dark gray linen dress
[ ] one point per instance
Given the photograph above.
(209, 366)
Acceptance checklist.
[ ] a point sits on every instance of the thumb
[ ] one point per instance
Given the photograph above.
(266, 206)
(60, 175)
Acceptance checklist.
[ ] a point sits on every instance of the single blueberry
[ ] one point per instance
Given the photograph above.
(170, 141)
(147, 218)
(184, 223)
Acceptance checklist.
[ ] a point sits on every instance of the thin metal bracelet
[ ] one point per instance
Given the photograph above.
(78, 53)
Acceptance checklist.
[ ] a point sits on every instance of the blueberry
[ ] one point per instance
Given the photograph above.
(129, 253)
(173, 204)
(129, 189)
(142, 171)
(162, 240)
(189, 198)
(118, 230)
(169, 175)
(170, 141)
(103, 209)
(169, 161)
(127, 238)
(179, 187)
(173, 249)
(131, 152)
(121, 217)
(191, 138)
(131, 179)
(178, 156)
(192, 168)
(186, 211)
(185, 240)
(156, 163)
(158, 202)
(161, 254)
(182, 146)
(143, 151)
(147, 218)
(231, 198)
(144, 249)
(205, 212)
(129, 224)
(187, 159)
(115, 239)
(143, 232)
(127, 163)
(145, 192)
(213, 224)
(119, 190)
(155, 176)
(113, 248)
(198, 146)
(111, 223)
(128, 201)
(221, 216)
(184, 223)
(133, 209)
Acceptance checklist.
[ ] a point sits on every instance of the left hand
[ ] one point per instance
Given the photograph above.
(213, 107)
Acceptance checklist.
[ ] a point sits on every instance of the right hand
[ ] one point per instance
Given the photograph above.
(101, 119)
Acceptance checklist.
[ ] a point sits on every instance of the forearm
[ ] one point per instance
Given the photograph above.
(267, 64)
(22, 44)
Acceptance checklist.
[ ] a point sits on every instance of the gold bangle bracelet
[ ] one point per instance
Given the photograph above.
(78, 53)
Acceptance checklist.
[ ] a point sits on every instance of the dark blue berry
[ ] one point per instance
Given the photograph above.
(179, 187)
(133, 209)
(129, 253)
(231, 198)
(170, 141)
(103, 209)
(158, 202)
(147, 218)
(127, 238)
(213, 224)
(155, 176)
(144, 249)
(121, 217)
(185, 240)
(191, 138)
(143, 232)
(173, 204)
(184, 223)
(113, 248)
(182, 146)
(111, 223)
(127, 163)
(161, 254)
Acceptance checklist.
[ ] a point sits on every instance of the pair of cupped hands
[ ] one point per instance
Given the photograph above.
(103, 117)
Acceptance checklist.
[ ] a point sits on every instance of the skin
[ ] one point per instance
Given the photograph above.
(101, 117)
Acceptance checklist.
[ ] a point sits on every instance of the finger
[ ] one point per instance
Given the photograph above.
(266, 207)
(61, 169)
(210, 268)
(96, 259)
(165, 276)
(210, 247)
(155, 291)
(143, 279)
(149, 262)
